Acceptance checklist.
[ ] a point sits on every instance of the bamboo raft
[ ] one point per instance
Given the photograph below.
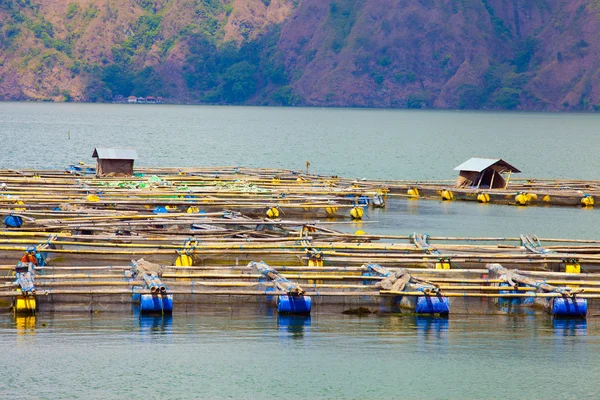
(172, 239)
(519, 192)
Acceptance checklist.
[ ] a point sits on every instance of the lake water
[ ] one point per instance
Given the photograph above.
(386, 144)
(249, 354)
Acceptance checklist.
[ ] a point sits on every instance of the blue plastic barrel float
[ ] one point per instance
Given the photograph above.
(135, 295)
(13, 221)
(508, 304)
(360, 200)
(270, 299)
(363, 201)
(367, 281)
(160, 210)
(572, 307)
(156, 304)
(294, 304)
(432, 305)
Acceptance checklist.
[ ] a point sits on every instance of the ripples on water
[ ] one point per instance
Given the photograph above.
(385, 144)
(244, 354)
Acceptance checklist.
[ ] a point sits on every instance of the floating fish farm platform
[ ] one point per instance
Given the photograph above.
(167, 240)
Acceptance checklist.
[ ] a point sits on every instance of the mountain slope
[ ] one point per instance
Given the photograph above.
(490, 54)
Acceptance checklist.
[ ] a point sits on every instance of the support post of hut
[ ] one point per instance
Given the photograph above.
(507, 179)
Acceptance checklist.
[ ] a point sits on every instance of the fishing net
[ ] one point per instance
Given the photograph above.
(146, 267)
(71, 207)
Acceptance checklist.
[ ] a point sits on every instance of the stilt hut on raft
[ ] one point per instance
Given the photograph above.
(484, 173)
(114, 162)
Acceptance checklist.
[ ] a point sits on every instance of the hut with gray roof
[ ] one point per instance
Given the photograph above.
(114, 162)
(484, 173)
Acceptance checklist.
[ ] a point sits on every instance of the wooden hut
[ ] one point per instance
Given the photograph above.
(114, 162)
(484, 173)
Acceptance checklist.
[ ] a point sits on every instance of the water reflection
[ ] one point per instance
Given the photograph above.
(25, 325)
(516, 305)
(412, 206)
(156, 324)
(432, 334)
(293, 326)
(432, 327)
(569, 327)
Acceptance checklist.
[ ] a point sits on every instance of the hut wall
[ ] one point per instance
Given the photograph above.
(467, 179)
(487, 183)
(114, 167)
(499, 182)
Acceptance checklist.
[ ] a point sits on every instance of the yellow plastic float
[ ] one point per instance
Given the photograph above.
(20, 203)
(442, 264)
(522, 199)
(483, 198)
(184, 260)
(357, 213)
(273, 212)
(25, 304)
(587, 201)
(331, 210)
(413, 192)
(447, 195)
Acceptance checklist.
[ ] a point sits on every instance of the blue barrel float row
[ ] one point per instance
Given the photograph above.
(294, 301)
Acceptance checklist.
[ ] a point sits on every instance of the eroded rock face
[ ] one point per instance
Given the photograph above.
(493, 54)
(434, 54)
(250, 17)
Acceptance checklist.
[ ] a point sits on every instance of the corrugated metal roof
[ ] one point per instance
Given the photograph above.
(114, 154)
(476, 164)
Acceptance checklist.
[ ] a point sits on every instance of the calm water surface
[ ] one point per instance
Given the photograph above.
(386, 144)
(243, 354)
(248, 354)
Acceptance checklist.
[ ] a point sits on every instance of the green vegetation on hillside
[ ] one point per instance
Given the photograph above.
(214, 71)
(231, 74)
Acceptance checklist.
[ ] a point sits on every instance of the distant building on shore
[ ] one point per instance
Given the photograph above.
(139, 100)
